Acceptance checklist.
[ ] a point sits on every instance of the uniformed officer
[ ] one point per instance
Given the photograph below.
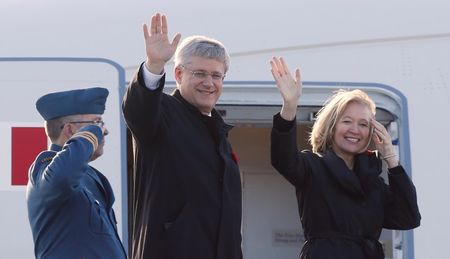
(70, 202)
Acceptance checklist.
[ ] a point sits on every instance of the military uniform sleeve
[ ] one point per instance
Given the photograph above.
(402, 211)
(59, 178)
(285, 157)
(142, 107)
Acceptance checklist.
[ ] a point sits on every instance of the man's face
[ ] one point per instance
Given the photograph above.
(200, 82)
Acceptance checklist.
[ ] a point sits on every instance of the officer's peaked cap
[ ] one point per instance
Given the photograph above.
(80, 101)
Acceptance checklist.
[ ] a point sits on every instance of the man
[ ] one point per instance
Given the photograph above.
(70, 202)
(187, 188)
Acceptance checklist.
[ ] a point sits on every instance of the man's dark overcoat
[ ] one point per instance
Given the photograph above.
(343, 212)
(187, 188)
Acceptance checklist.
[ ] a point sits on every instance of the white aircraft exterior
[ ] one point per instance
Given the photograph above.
(397, 51)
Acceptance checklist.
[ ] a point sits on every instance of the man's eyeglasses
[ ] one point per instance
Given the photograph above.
(202, 75)
(99, 123)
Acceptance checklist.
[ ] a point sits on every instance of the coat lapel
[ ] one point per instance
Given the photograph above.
(358, 182)
(215, 123)
(103, 185)
(345, 178)
(368, 167)
(107, 189)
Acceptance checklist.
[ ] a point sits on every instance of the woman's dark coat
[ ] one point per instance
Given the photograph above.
(343, 211)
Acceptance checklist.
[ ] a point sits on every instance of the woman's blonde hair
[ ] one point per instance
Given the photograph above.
(322, 130)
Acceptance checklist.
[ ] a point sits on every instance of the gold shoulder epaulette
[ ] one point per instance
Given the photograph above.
(88, 136)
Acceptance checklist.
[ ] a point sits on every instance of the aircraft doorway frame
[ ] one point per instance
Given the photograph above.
(388, 100)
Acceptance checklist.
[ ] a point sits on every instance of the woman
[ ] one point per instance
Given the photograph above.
(343, 202)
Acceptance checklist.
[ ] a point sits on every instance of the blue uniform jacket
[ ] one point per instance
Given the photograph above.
(70, 203)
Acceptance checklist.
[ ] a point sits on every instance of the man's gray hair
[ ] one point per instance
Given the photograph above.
(201, 46)
(54, 127)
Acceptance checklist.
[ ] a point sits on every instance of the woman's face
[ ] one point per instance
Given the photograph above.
(352, 130)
